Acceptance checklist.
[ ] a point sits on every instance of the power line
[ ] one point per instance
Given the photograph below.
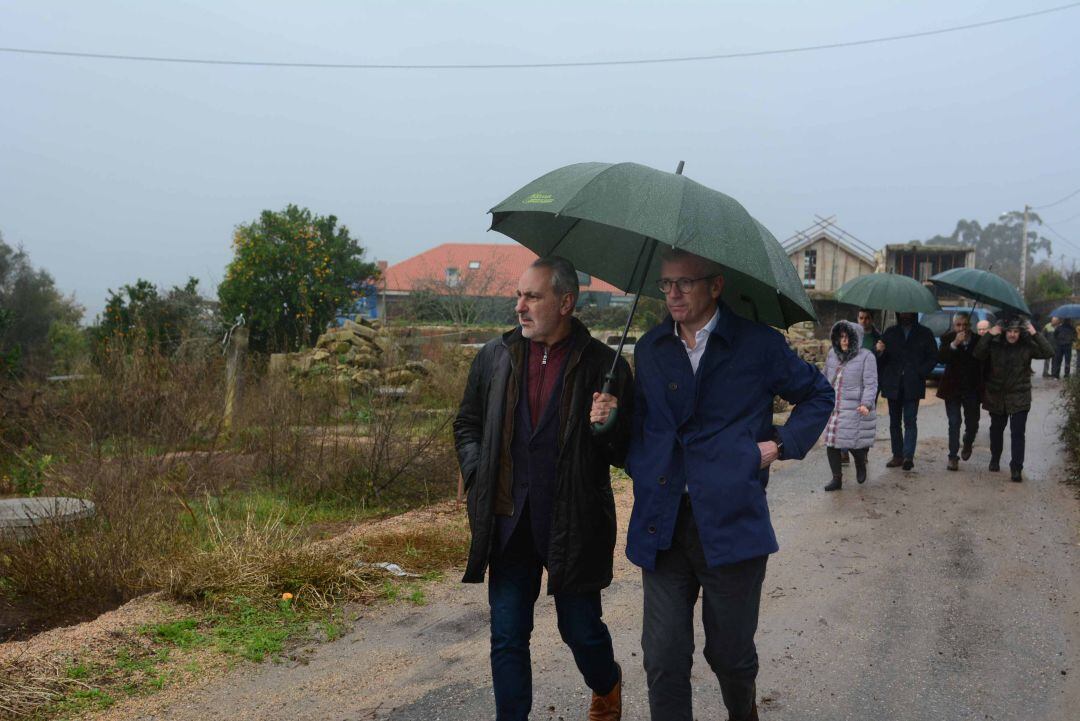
(1062, 237)
(521, 66)
(1058, 202)
(1069, 219)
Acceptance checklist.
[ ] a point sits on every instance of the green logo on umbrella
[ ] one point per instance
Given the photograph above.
(539, 199)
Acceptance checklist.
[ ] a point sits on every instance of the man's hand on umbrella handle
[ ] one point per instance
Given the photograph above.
(602, 405)
(769, 453)
(995, 329)
(1031, 328)
(880, 346)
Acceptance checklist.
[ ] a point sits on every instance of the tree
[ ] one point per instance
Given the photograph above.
(141, 316)
(1048, 284)
(998, 245)
(291, 272)
(31, 304)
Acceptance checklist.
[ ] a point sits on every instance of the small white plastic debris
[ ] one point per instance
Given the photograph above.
(389, 568)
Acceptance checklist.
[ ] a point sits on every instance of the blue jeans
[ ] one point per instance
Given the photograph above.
(513, 587)
(903, 439)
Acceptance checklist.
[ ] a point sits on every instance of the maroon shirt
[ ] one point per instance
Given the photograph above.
(545, 366)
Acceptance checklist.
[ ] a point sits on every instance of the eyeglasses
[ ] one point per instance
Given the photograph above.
(685, 285)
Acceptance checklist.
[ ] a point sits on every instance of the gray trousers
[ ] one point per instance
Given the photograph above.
(731, 595)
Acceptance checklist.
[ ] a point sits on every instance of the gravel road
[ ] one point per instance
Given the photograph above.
(921, 595)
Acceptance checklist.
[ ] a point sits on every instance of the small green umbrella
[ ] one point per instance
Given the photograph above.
(887, 291)
(983, 286)
(608, 219)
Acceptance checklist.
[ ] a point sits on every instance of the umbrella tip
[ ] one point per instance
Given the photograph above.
(678, 170)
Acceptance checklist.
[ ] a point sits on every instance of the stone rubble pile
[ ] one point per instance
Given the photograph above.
(358, 353)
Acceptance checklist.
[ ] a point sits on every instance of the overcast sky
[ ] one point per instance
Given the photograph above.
(111, 171)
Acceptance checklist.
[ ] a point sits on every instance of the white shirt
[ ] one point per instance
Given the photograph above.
(700, 339)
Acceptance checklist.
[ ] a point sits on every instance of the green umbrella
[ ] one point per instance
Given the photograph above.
(887, 291)
(607, 219)
(983, 286)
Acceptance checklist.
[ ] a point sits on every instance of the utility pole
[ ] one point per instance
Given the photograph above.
(1024, 252)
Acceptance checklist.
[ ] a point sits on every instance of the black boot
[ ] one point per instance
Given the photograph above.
(835, 484)
(995, 466)
(860, 465)
(1017, 476)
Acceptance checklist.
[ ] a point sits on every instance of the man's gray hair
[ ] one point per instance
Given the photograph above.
(708, 267)
(961, 315)
(564, 277)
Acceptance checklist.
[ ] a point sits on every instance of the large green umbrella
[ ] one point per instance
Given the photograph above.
(983, 286)
(608, 219)
(887, 291)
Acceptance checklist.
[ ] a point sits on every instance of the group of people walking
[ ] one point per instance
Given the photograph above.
(988, 367)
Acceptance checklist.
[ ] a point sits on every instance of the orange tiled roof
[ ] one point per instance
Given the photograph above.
(492, 269)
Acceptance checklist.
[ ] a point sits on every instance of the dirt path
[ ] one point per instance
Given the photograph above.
(922, 595)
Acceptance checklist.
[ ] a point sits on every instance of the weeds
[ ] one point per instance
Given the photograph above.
(1070, 431)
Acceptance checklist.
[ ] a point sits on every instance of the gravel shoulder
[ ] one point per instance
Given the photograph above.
(921, 595)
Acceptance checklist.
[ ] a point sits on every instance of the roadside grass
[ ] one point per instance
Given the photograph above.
(254, 594)
(1070, 430)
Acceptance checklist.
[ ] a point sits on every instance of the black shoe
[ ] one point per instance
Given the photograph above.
(995, 466)
(909, 463)
(1016, 476)
(860, 475)
(834, 484)
(894, 462)
(965, 452)
(954, 464)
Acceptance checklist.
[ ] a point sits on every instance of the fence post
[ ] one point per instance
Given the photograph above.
(234, 370)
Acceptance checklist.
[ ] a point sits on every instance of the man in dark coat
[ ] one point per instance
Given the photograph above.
(703, 440)
(907, 355)
(1064, 337)
(960, 386)
(538, 484)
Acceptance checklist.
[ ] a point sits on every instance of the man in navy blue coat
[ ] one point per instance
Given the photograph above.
(702, 443)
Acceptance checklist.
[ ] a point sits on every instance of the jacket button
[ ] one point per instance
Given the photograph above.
(673, 386)
(652, 529)
(662, 480)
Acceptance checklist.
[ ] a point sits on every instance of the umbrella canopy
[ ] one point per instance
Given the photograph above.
(887, 291)
(1070, 311)
(607, 219)
(983, 286)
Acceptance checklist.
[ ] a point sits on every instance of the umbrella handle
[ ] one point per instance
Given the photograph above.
(602, 428)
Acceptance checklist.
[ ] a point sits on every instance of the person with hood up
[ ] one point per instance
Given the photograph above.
(851, 369)
(1008, 386)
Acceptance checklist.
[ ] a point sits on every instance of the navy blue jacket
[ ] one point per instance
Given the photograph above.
(701, 431)
(906, 363)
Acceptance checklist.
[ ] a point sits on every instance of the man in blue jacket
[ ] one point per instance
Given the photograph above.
(702, 442)
(907, 354)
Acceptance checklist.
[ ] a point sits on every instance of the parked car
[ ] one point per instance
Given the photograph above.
(940, 323)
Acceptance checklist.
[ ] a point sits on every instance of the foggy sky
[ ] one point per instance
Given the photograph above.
(111, 171)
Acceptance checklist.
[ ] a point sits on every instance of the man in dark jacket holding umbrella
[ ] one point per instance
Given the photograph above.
(703, 440)
(538, 484)
(1064, 337)
(907, 355)
(960, 387)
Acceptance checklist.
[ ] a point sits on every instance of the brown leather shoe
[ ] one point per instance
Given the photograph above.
(609, 707)
(894, 462)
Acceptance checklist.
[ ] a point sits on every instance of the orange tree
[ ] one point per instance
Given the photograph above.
(291, 271)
